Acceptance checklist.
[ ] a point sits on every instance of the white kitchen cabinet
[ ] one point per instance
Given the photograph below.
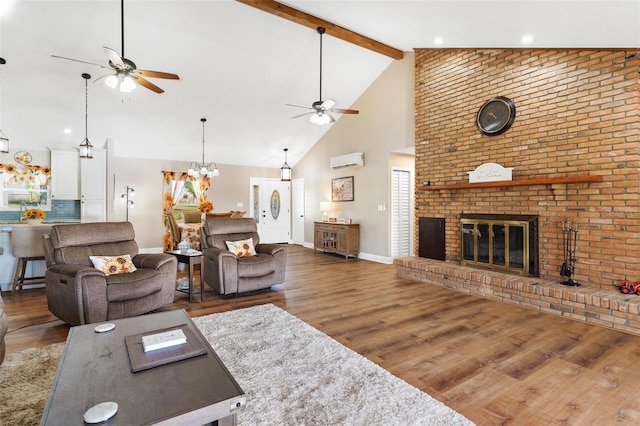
(84, 179)
(65, 168)
(93, 187)
(93, 210)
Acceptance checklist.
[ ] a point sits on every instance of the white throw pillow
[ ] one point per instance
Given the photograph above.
(242, 248)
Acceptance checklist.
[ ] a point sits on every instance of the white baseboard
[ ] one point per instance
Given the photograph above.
(364, 256)
(375, 258)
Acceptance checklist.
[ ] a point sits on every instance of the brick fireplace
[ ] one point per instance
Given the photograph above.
(574, 148)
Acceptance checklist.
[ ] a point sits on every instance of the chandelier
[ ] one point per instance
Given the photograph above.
(197, 169)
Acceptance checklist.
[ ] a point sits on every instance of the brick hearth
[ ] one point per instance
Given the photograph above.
(605, 307)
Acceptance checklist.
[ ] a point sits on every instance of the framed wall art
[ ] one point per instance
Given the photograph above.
(342, 189)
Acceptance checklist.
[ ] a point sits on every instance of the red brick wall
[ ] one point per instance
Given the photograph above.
(578, 112)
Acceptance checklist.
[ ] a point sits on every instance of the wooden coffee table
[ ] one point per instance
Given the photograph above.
(95, 368)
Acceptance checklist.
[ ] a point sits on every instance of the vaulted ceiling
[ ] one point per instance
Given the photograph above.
(239, 65)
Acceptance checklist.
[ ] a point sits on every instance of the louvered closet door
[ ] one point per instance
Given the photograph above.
(400, 213)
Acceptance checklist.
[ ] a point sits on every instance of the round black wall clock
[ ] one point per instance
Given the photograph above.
(496, 116)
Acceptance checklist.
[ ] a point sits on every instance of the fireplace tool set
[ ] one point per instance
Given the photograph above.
(569, 239)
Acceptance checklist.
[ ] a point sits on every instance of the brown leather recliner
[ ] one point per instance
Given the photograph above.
(78, 293)
(228, 274)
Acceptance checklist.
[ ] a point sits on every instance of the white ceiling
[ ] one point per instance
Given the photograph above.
(239, 66)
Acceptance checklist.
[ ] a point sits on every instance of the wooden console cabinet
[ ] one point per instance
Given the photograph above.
(339, 238)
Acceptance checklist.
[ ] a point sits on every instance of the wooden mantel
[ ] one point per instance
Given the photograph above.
(523, 182)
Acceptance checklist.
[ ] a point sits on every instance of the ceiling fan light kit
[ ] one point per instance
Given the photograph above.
(122, 81)
(320, 109)
(196, 169)
(321, 118)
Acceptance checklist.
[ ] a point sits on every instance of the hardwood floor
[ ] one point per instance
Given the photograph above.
(492, 362)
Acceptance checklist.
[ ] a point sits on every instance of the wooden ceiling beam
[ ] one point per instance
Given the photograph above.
(314, 22)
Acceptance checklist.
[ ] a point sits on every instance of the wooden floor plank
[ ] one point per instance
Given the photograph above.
(498, 364)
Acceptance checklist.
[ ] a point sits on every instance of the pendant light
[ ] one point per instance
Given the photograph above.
(86, 149)
(196, 169)
(4, 140)
(285, 170)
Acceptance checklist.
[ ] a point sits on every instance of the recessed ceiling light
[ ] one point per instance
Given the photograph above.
(527, 39)
(438, 41)
(67, 131)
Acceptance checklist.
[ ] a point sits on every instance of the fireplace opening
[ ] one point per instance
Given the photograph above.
(502, 242)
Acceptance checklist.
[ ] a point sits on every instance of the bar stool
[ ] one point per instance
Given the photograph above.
(26, 246)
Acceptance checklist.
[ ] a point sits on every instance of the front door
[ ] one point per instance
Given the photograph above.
(274, 211)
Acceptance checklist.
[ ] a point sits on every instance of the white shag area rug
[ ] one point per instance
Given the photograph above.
(294, 374)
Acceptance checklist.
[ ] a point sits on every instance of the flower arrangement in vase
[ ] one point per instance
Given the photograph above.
(205, 206)
(34, 216)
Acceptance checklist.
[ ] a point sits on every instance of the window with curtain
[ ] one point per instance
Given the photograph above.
(183, 191)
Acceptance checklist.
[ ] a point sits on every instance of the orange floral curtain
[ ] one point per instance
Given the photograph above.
(175, 184)
(204, 204)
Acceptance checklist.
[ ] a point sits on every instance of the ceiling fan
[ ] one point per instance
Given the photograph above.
(124, 73)
(320, 109)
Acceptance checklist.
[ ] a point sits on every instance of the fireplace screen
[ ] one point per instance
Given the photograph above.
(499, 243)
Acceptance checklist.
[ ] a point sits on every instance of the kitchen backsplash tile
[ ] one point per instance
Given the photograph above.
(61, 210)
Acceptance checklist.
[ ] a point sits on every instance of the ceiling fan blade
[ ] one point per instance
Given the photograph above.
(345, 111)
(328, 104)
(78, 60)
(113, 57)
(302, 115)
(298, 106)
(158, 74)
(146, 83)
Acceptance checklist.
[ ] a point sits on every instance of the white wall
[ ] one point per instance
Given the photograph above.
(385, 124)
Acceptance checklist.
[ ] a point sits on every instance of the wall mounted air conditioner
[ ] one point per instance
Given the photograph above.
(348, 160)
